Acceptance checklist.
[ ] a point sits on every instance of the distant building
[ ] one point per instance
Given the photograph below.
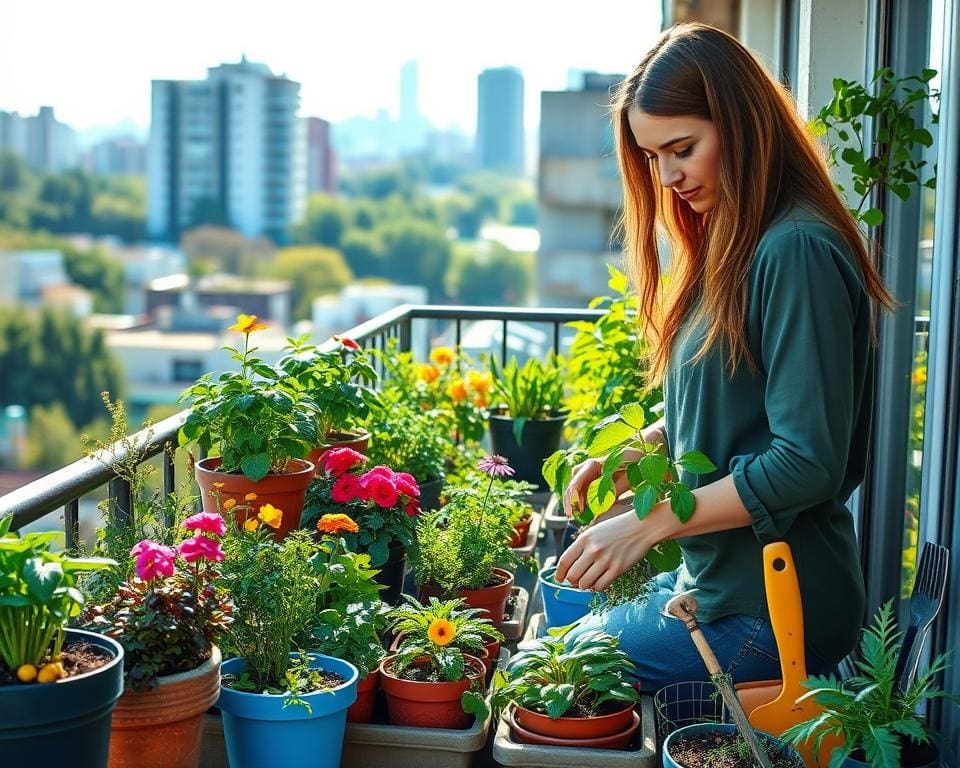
(25, 275)
(227, 150)
(190, 301)
(360, 302)
(119, 156)
(500, 120)
(43, 141)
(321, 160)
(579, 195)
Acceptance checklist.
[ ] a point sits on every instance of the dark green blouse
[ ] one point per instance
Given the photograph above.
(793, 435)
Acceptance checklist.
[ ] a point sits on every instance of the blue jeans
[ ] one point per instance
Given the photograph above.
(663, 651)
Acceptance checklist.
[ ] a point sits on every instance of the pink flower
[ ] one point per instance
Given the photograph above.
(406, 484)
(381, 471)
(207, 522)
(200, 547)
(346, 489)
(340, 460)
(412, 508)
(495, 466)
(381, 489)
(153, 560)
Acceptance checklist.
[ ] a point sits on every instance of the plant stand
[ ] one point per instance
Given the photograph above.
(513, 619)
(380, 745)
(643, 752)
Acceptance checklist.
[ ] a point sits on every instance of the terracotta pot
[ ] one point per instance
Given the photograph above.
(491, 599)
(358, 443)
(163, 727)
(615, 741)
(428, 705)
(286, 492)
(573, 727)
(361, 711)
(520, 532)
(488, 654)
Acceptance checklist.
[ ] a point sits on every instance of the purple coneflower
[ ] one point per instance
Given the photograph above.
(495, 466)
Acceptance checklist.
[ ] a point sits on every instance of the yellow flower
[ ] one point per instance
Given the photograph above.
(479, 382)
(920, 377)
(441, 632)
(229, 504)
(247, 324)
(457, 392)
(337, 523)
(51, 672)
(252, 524)
(441, 356)
(219, 485)
(250, 497)
(429, 373)
(480, 400)
(26, 673)
(270, 515)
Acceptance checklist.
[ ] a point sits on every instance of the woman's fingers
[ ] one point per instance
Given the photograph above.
(568, 558)
(591, 577)
(583, 475)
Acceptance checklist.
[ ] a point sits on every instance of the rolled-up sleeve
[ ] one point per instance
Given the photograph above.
(809, 295)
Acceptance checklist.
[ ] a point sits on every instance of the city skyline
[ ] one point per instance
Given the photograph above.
(347, 58)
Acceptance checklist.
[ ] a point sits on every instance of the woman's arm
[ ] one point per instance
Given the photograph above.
(612, 546)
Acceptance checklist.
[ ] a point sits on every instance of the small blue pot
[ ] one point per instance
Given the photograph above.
(261, 733)
(562, 604)
(775, 748)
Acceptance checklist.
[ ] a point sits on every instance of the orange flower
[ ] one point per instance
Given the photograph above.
(252, 524)
(480, 400)
(218, 485)
(441, 356)
(250, 497)
(270, 515)
(479, 382)
(229, 504)
(441, 632)
(247, 324)
(337, 523)
(429, 373)
(457, 391)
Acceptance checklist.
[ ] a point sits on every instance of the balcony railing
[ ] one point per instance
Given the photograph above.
(64, 488)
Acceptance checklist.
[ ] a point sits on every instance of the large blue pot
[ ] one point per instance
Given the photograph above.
(911, 756)
(562, 604)
(261, 733)
(63, 723)
(775, 748)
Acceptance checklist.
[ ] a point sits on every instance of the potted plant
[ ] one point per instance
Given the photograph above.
(339, 380)
(383, 503)
(277, 703)
(464, 549)
(260, 427)
(168, 622)
(429, 681)
(577, 693)
(878, 722)
(408, 439)
(704, 745)
(58, 686)
(473, 633)
(526, 417)
(351, 617)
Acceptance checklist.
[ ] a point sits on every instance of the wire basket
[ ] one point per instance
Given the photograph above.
(686, 703)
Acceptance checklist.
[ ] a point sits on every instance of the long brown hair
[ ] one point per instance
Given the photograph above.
(768, 159)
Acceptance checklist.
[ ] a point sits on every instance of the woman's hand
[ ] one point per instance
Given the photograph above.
(603, 551)
(576, 492)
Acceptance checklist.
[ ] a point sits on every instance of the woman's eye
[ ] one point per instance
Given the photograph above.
(684, 152)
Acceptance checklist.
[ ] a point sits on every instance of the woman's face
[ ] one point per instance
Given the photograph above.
(687, 153)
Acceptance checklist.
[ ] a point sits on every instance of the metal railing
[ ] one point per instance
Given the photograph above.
(65, 487)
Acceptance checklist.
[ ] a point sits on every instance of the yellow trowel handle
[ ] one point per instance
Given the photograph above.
(786, 612)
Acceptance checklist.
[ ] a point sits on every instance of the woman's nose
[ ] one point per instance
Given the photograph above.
(669, 174)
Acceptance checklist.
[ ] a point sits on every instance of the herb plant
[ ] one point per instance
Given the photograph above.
(407, 439)
(531, 391)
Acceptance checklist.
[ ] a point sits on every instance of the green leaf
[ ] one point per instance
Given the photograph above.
(696, 463)
(618, 280)
(518, 424)
(872, 217)
(474, 704)
(557, 699)
(682, 502)
(600, 495)
(665, 557)
(644, 500)
(632, 414)
(653, 467)
(42, 578)
(255, 467)
(610, 436)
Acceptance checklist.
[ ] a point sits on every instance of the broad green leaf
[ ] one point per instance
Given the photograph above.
(872, 217)
(518, 424)
(653, 467)
(696, 463)
(665, 557)
(644, 500)
(600, 495)
(609, 437)
(474, 704)
(682, 502)
(632, 414)
(42, 578)
(255, 467)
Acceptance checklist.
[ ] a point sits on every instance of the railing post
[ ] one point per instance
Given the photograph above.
(406, 334)
(169, 478)
(71, 523)
(120, 506)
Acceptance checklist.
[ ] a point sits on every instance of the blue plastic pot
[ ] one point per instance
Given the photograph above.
(261, 733)
(63, 723)
(562, 604)
(775, 748)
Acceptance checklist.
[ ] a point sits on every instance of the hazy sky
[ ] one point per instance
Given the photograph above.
(93, 60)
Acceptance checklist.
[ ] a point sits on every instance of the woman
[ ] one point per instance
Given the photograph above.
(762, 339)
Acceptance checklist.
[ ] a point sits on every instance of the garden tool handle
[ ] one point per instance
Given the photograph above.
(786, 612)
(684, 607)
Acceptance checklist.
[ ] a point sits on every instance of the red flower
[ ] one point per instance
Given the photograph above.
(348, 343)
(346, 489)
(340, 460)
(153, 560)
(412, 508)
(406, 484)
(382, 471)
(207, 522)
(381, 489)
(200, 547)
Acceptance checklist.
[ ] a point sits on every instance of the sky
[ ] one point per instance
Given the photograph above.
(93, 60)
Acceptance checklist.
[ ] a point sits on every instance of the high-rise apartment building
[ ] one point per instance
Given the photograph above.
(226, 150)
(500, 120)
(321, 159)
(43, 141)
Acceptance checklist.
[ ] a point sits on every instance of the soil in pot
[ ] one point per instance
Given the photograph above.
(76, 658)
(323, 681)
(726, 749)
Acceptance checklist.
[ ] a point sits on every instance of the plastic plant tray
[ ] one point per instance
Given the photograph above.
(512, 625)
